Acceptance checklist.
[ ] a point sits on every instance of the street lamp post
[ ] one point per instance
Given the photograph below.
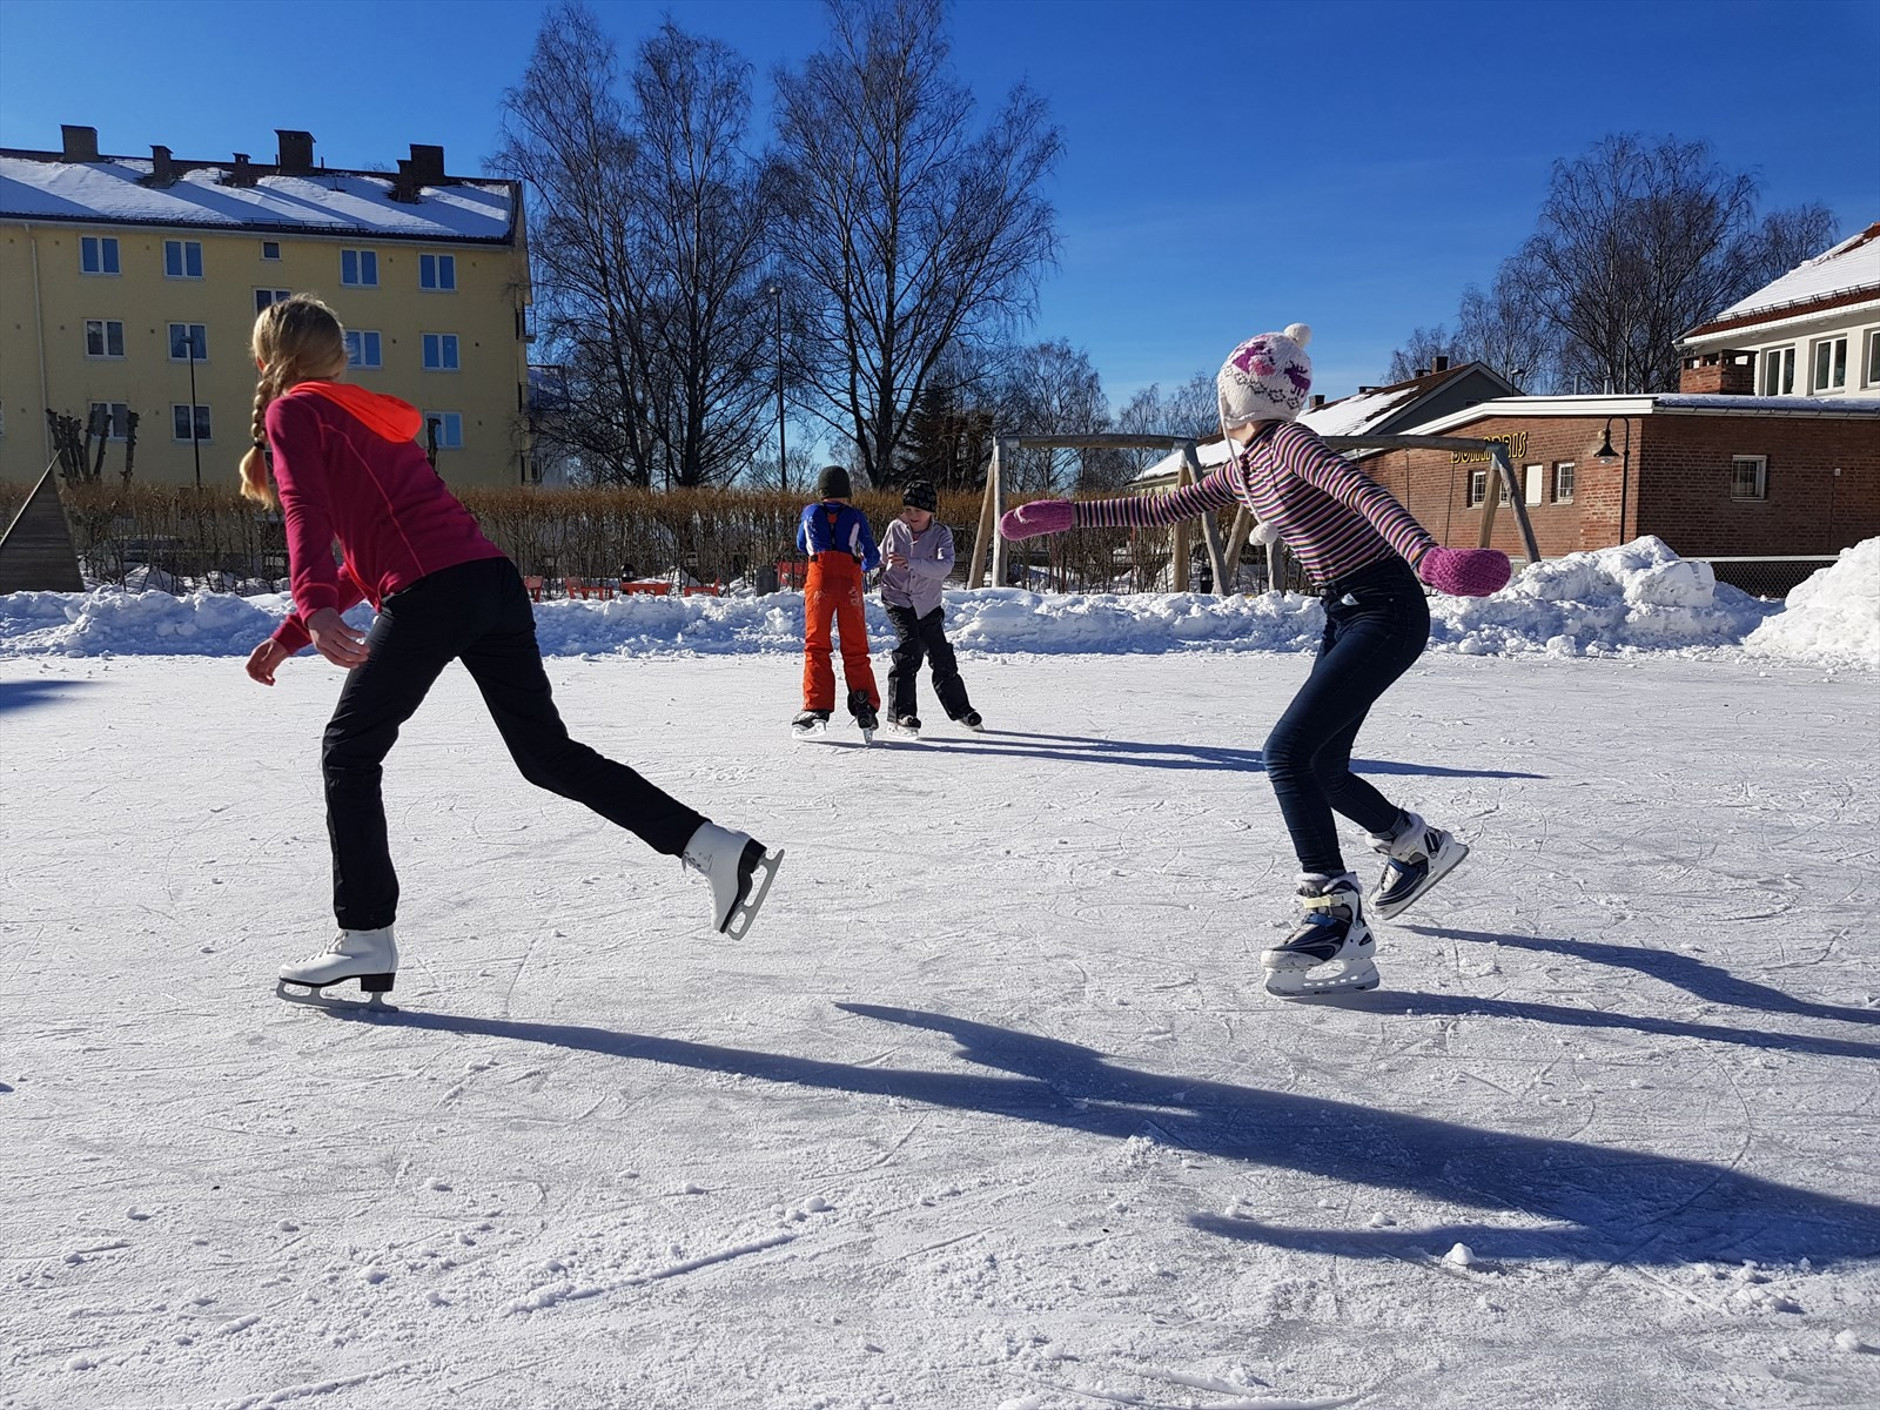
(195, 429)
(783, 463)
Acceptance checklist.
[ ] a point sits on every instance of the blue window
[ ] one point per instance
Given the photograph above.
(264, 297)
(104, 337)
(187, 340)
(359, 268)
(182, 259)
(362, 348)
(98, 254)
(440, 352)
(270, 249)
(181, 424)
(447, 426)
(437, 271)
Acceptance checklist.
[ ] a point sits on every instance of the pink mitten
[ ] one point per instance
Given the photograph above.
(1041, 516)
(1465, 572)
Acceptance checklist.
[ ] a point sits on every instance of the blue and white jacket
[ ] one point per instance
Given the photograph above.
(830, 526)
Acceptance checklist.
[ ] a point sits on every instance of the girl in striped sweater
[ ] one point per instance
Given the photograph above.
(1366, 554)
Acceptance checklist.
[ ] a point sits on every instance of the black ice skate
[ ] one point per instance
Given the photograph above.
(905, 724)
(810, 724)
(1331, 953)
(972, 721)
(866, 719)
(1416, 858)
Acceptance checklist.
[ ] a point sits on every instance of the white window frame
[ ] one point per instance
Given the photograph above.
(449, 430)
(187, 252)
(1872, 361)
(1820, 351)
(364, 348)
(104, 327)
(99, 250)
(1563, 474)
(201, 418)
(1758, 466)
(197, 333)
(266, 297)
(438, 273)
(364, 263)
(1534, 483)
(446, 346)
(118, 424)
(1778, 371)
(1478, 489)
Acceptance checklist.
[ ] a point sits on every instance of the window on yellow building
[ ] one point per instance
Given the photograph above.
(448, 428)
(264, 297)
(440, 352)
(182, 259)
(104, 337)
(189, 340)
(362, 348)
(113, 418)
(98, 254)
(182, 424)
(437, 272)
(359, 269)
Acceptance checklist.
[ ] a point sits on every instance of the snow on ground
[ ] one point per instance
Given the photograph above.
(1619, 601)
(989, 1112)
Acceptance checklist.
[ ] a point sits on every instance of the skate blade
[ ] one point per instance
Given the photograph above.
(744, 912)
(1440, 866)
(1294, 984)
(315, 996)
(820, 731)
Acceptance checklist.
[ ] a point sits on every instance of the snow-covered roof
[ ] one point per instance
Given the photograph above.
(1634, 404)
(110, 190)
(1851, 266)
(1354, 415)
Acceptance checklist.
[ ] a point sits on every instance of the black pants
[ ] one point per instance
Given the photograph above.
(477, 613)
(920, 637)
(1377, 622)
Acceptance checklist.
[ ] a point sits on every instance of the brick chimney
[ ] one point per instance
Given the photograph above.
(1318, 400)
(1440, 364)
(242, 173)
(296, 155)
(162, 169)
(427, 165)
(404, 185)
(81, 143)
(1727, 372)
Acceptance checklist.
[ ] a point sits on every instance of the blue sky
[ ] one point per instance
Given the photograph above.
(1230, 167)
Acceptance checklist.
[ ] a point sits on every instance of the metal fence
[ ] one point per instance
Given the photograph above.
(1769, 577)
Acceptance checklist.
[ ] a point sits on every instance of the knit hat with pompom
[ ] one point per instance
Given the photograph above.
(1266, 378)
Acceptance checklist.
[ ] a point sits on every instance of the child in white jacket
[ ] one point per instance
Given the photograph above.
(917, 556)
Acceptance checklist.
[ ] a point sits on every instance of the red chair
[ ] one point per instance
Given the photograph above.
(534, 585)
(575, 587)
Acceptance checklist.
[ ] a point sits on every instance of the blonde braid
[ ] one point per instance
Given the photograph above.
(255, 482)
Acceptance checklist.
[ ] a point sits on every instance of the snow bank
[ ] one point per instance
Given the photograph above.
(1639, 597)
(1834, 617)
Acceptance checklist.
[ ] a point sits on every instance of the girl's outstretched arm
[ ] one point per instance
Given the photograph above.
(1054, 516)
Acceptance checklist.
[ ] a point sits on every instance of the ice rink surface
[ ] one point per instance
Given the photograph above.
(990, 1111)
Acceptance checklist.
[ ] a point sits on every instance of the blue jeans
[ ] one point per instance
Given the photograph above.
(1377, 623)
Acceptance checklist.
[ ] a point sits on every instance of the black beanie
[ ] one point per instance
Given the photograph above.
(920, 495)
(833, 483)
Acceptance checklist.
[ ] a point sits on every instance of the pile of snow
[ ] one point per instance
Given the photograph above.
(1833, 617)
(1639, 597)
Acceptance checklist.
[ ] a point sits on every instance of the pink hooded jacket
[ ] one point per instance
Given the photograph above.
(349, 469)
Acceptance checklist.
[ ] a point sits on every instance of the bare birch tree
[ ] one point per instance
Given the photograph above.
(905, 230)
(647, 241)
(1638, 243)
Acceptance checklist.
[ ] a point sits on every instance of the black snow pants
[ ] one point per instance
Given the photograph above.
(918, 638)
(477, 613)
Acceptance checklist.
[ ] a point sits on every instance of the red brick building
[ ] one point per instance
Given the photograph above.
(1714, 473)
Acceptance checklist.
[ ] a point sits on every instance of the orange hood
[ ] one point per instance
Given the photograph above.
(395, 420)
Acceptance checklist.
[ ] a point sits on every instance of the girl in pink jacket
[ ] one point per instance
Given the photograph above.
(348, 470)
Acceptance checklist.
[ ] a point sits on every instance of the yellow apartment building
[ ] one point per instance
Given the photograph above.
(130, 285)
